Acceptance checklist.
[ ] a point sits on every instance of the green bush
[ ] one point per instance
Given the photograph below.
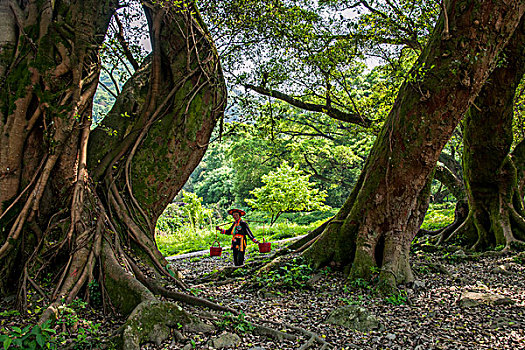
(397, 299)
(29, 337)
(79, 333)
(190, 215)
(237, 323)
(291, 275)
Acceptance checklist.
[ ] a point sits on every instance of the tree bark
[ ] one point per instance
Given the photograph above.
(85, 213)
(377, 223)
(50, 71)
(496, 211)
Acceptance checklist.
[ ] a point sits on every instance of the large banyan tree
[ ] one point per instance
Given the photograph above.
(490, 210)
(376, 225)
(493, 171)
(78, 204)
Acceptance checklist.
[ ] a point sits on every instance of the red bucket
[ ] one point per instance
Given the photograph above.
(265, 247)
(216, 251)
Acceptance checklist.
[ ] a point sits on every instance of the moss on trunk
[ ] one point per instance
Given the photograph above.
(81, 228)
(491, 175)
(380, 217)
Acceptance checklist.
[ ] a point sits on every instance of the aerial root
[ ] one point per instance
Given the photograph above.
(276, 334)
(157, 288)
(280, 335)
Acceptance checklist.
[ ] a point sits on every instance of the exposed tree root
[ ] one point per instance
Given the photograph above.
(151, 321)
(276, 334)
(442, 235)
(310, 238)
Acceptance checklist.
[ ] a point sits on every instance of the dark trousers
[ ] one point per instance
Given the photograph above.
(238, 257)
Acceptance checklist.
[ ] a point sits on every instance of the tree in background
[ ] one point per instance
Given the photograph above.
(286, 190)
(193, 211)
(332, 156)
(213, 178)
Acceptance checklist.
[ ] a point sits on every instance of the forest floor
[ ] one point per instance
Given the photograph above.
(428, 314)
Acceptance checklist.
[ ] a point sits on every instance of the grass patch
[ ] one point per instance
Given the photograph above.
(185, 239)
(438, 216)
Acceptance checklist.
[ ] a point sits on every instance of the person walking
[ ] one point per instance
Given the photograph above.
(239, 230)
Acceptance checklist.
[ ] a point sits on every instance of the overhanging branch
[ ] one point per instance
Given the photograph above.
(329, 111)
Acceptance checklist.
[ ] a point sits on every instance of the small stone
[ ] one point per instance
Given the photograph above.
(419, 284)
(502, 322)
(199, 327)
(353, 317)
(268, 295)
(390, 336)
(501, 270)
(225, 341)
(471, 299)
(313, 280)
(188, 346)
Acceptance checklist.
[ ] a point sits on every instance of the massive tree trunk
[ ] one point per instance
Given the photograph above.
(86, 213)
(50, 68)
(492, 173)
(378, 222)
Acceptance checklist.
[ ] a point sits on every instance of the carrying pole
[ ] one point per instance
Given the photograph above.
(224, 223)
(248, 220)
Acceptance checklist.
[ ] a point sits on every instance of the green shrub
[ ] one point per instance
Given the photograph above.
(192, 215)
(237, 323)
(291, 275)
(80, 333)
(399, 298)
(29, 337)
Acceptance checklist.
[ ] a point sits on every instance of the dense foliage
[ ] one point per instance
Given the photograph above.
(285, 190)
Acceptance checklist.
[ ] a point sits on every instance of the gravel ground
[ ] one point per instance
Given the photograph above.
(428, 316)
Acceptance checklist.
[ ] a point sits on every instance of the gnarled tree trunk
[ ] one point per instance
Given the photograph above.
(50, 69)
(87, 212)
(378, 222)
(492, 173)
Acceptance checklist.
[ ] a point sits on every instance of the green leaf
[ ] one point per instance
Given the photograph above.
(7, 343)
(35, 330)
(40, 340)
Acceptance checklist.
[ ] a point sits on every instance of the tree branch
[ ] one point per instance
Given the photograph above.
(124, 44)
(329, 111)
